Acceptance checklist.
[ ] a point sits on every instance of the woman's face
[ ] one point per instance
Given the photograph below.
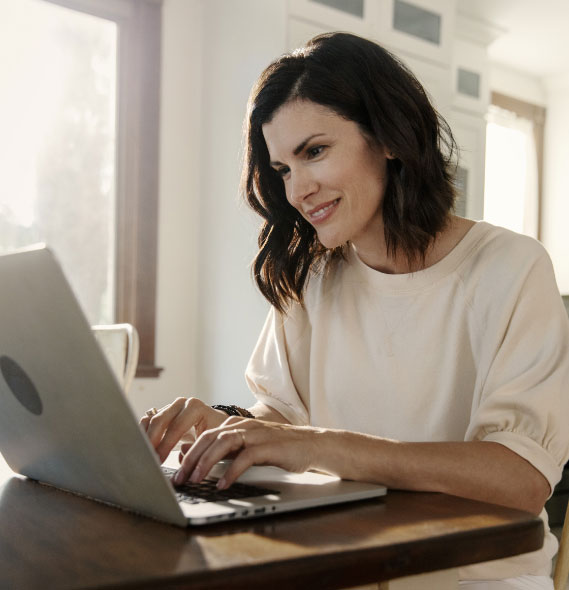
(332, 174)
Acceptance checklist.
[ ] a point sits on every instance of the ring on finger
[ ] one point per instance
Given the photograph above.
(151, 412)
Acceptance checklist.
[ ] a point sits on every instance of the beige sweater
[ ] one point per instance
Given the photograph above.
(476, 347)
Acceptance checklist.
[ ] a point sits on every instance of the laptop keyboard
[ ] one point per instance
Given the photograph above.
(206, 491)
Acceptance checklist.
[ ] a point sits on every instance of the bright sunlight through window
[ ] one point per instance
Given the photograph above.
(510, 191)
(57, 146)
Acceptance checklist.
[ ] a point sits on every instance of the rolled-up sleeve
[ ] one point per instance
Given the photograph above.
(524, 401)
(269, 373)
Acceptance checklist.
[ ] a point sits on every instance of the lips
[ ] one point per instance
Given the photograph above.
(323, 211)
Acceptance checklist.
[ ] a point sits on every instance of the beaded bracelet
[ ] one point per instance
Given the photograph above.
(233, 411)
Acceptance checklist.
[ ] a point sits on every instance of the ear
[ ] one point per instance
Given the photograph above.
(390, 155)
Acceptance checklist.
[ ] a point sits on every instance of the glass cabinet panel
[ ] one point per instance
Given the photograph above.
(355, 7)
(468, 83)
(416, 21)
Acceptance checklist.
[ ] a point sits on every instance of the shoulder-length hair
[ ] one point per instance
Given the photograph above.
(364, 83)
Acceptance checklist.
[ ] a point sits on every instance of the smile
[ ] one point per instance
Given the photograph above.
(322, 212)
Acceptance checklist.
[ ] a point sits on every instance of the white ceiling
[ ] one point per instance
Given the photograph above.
(536, 40)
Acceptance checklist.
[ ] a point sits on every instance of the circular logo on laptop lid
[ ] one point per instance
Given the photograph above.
(21, 385)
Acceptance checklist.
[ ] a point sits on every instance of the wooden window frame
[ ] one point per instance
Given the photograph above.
(138, 112)
(536, 114)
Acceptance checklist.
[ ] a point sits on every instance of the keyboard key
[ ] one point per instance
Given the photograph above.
(206, 491)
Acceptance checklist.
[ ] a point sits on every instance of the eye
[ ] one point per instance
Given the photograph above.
(315, 151)
(282, 171)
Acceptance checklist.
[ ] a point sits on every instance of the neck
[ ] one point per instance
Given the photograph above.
(375, 255)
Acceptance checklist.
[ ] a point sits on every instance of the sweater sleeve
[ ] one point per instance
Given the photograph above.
(524, 398)
(270, 372)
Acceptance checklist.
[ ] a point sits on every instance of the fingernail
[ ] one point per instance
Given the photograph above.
(179, 477)
(221, 484)
(196, 475)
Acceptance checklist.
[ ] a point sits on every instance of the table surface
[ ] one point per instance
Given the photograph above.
(53, 539)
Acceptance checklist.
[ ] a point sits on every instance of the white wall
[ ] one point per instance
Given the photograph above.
(556, 186)
(179, 206)
(241, 39)
(517, 84)
(553, 94)
(208, 312)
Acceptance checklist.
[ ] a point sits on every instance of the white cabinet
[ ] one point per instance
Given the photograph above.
(470, 77)
(355, 16)
(423, 28)
(470, 134)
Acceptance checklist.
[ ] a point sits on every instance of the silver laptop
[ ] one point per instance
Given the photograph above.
(64, 419)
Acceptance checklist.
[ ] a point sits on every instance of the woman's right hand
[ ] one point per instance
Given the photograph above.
(173, 422)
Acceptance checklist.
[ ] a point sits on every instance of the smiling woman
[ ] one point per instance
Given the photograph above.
(335, 176)
(405, 345)
(395, 120)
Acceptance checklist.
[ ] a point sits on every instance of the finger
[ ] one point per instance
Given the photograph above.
(182, 425)
(160, 422)
(177, 429)
(212, 446)
(144, 422)
(248, 457)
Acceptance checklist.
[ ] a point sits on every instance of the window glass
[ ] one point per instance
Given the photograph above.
(57, 147)
(511, 181)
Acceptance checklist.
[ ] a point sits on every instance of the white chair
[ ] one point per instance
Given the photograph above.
(120, 345)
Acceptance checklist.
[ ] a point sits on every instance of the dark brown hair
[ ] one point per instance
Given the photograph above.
(364, 83)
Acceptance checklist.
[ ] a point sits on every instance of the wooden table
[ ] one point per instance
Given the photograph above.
(52, 539)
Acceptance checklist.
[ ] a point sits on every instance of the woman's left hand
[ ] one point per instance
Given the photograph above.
(251, 442)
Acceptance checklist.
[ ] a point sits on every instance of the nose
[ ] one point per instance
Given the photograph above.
(301, 185)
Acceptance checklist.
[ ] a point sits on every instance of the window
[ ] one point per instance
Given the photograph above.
(79, 151)
(514, 148)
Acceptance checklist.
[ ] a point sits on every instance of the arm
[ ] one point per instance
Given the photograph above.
(186, 418)
(264, 412)
(478, 470)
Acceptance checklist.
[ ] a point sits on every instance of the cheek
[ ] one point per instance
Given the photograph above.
(286, 188)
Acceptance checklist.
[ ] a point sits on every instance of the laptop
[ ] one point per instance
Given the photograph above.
(65, 421)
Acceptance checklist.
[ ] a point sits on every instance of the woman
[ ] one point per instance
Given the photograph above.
(404, 345)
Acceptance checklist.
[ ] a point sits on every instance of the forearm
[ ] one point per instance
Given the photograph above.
(264, 412)
(479, 470)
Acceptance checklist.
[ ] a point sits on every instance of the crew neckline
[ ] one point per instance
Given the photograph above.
(427, 276)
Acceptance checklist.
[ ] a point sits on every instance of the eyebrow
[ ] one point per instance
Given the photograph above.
(299, 147)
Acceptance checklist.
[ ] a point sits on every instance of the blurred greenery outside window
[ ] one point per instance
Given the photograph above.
(79, 86)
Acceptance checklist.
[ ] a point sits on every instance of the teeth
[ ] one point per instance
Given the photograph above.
(321, 212)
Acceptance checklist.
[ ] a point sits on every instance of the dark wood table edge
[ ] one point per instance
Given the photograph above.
(353, 568)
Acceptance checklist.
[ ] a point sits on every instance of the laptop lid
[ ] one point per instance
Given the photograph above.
(65, 421)
(63, 417)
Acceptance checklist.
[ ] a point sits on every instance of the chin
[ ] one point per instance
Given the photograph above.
(331, 241)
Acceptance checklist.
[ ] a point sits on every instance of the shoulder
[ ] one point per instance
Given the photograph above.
(499, 253)
(496, 242)
(502, 264)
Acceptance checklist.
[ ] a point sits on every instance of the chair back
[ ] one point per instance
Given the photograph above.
(120, 345)
(561, 572)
